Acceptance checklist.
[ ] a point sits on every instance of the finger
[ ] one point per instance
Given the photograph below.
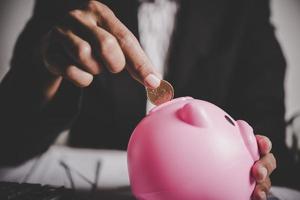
(261, 190)
(139, 65)
(78, 76)
(58, 64)
(78, 50)
(106, 44)
(53, 56)
(110, 50)
(264, 144)
(264, 167)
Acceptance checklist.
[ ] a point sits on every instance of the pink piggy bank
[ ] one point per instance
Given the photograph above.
(189, 149)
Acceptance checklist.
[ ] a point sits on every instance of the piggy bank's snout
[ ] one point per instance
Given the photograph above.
(193, 114)
(249, 139)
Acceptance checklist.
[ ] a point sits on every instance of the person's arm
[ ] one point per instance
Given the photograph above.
(62, 48)
(257, 93)
(29, 120)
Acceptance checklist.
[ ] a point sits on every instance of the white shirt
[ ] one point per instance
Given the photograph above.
(156, 22)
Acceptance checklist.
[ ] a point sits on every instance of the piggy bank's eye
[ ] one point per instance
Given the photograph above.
(229, 120)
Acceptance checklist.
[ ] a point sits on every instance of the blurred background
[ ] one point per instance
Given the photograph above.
(285, 17)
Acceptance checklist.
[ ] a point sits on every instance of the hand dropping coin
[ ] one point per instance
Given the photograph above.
(162, 94)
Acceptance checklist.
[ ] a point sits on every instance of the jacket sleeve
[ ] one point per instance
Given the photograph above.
(27, 126)
(257, 94)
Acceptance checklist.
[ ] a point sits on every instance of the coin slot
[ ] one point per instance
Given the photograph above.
(229, 120)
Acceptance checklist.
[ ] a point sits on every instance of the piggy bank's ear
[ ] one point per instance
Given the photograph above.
(192, 113)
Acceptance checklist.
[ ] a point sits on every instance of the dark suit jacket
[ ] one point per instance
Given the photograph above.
(224, 52)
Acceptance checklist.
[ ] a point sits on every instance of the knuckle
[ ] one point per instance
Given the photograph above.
(105, 11)
(97, 7)
(140, 66)
(108, 45)
(126, 39)
(83, 51)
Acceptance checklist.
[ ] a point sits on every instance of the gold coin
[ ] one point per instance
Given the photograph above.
(162, 94)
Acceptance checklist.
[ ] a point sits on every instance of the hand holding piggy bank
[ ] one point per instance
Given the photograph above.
(189, 149)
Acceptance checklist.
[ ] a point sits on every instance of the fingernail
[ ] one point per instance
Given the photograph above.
(152, 81)
(263, 172)
(262, 195)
